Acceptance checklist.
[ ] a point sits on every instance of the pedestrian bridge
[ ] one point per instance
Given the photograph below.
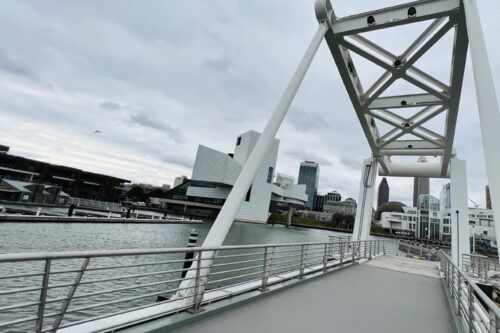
(337, 285)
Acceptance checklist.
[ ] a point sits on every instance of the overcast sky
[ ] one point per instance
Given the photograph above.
(157, 78)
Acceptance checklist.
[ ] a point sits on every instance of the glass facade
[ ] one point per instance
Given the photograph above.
(429, 224)
(309, 176)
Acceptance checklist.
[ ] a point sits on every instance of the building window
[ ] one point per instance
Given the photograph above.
(270, 175)
(446, 230)
(238, 141)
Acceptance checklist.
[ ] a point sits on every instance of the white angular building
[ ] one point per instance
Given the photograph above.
(214, 174)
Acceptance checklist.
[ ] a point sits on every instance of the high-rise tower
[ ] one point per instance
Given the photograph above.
(420, 184)
(488, 198)
(383, 192)
(309, 175)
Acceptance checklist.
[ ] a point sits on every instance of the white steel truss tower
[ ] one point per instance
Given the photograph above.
(344, 38)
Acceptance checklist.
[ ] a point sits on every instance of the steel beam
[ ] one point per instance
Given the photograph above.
(460, 231)
(405, 101)
(460, 45)
(362, 222)
(394, 16)
(225, 218)
(489, 115)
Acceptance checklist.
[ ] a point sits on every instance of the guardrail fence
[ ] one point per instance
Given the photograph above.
(47, 291)
(477, 266)
(479, 313)
(89, 203)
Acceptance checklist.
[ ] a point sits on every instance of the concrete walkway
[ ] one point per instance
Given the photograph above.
(363, 298)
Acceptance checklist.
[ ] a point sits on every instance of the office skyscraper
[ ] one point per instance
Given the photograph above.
(420, 184)
(383, 192)
(488, 198)
(309, 175)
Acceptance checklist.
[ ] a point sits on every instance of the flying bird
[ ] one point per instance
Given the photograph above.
(97, 132)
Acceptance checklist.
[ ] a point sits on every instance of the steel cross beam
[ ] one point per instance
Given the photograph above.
(344, 36)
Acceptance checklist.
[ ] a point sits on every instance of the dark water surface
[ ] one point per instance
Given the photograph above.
(56, 237)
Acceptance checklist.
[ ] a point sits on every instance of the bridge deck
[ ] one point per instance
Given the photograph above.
(388, 294)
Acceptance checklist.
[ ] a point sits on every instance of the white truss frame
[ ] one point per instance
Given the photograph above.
(439, 97)
(342, 36)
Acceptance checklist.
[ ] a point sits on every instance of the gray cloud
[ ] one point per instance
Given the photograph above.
(157, 124)
(308, 155)
(15, 67)
(210, 81)
(112, 106)
(218, 64)
(306, 121)
(351, 162)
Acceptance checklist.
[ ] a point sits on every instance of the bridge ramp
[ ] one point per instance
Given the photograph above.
(387, 294)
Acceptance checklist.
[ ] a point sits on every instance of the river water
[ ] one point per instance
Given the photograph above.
(56, 237)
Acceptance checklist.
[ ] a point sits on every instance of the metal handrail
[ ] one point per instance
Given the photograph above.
(66, 292)
(478, 266)
(468, 298)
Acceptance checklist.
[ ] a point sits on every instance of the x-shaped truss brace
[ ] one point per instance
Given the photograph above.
(343, 37)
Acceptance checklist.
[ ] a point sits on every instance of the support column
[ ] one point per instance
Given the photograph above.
(487, 103)
(362, 222)
(459, 211)
(225, 218)
(289, 215)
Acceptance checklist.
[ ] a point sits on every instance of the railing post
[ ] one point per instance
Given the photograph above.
(341, 252)
(198, 292)
(325, 257)
(266, 268)
(71, 293)
(303, 250)
(370, 250)
(493, 321)
(43, 295)
(383, 247)
(471, 309)
(364, 245)
(452, 281)
(459, 293)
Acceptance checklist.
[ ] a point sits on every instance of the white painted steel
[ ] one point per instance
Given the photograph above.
(432, 170)
(489, 114)
(460, 232)
(224, 220)
(439, 97)
(363, 219)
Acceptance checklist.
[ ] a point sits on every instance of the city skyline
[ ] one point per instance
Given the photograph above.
(152, 111)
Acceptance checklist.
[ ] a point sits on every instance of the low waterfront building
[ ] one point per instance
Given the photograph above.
(346, 207)
(73, 181)
(319, 201)
(26, 192)
(432, 219)
(284, 180)
(333, 196)
(180, 180)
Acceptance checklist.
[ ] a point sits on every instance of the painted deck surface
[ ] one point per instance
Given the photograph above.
(389, 294)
